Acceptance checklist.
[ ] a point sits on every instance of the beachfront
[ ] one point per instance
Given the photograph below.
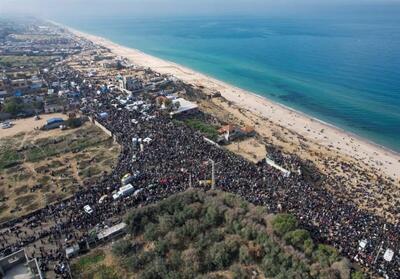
(341, 201)
(267, 113)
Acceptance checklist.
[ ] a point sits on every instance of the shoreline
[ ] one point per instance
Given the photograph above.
(345, 142)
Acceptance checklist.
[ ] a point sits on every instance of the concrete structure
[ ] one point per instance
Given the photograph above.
(231, 132)
(130, 83)
(183, 106)
(50, 108)
(286, 173)
(19, 83)
(17, 265)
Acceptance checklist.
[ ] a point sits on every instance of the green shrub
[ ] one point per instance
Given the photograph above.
(284, 223)
(326, 255)
(297, 239)
(151, 232)
(244, 255)
(154, 270)
(239, 272)
(357, 275)
(219, 255)
(161, 248)
(207, 129)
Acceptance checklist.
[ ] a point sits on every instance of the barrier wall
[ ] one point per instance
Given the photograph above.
(105, 130)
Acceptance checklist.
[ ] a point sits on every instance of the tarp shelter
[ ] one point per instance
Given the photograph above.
(54, 120)
(18, 93)
(103, 115)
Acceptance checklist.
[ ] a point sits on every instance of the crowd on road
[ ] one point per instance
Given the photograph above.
(175, 157)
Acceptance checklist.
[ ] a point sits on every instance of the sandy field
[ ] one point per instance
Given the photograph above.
(28, 124)
(323, 134)
(42, 177)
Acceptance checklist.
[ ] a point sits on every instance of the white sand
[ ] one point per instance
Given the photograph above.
(348, 144)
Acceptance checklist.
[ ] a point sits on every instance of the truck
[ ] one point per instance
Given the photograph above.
(124, 191)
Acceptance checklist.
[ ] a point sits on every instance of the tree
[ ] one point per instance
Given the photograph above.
(326, 255)
(168, 104)
(284, 223)
(177, 105)
(13, 106)
(244, 255)
(297, 239)
(357, 275)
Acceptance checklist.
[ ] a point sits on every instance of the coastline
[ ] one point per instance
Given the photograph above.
(312, 129)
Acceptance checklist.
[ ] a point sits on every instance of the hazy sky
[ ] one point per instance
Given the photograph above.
(184, 7)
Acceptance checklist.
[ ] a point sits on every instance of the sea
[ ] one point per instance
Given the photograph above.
(344, 71)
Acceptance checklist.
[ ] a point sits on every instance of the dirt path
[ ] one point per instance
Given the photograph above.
(75, 172)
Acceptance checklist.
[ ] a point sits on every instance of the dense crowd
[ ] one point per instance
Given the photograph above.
(174, 158)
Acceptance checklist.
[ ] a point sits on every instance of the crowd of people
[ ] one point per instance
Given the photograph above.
(175, 158)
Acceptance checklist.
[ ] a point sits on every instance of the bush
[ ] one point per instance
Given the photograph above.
(122, 248)
(161, 248)
(239, 273)
(151, 232)
(155, 269)
(74, 122)
(357, 275)
(191, 259)
(284, 223)
(166, 223)
(326, 255)
(104, 272)
(207, 129)
(244, 255)
(213, 216)
(175, 260)
(297, 239)
(219, 256)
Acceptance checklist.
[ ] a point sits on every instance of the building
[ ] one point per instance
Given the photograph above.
(19, 83)
(130, 83)
(50, 108)
(183, 107)
(232, 132)
(18, 265)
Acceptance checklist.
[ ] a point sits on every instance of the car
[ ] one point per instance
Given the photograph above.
(128, 178)
(88, 209)
(6, 125)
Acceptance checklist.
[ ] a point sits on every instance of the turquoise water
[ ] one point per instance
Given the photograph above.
(345, 72)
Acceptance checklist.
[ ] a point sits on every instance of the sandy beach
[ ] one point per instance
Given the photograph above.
(323, 134)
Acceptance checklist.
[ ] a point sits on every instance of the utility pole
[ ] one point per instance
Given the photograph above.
(212, 174)
(379, 251)
(190, 180)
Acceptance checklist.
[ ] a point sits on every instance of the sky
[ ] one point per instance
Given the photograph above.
(54, 8)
